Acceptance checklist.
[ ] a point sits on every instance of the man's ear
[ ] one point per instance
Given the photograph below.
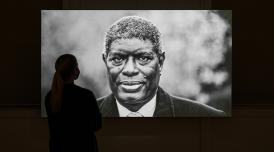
(76, 73)
(104, 57)
(161, 60)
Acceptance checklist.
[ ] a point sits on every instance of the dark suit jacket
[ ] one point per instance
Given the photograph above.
(166, 106)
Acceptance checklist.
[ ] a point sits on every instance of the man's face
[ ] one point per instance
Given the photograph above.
(133, 70)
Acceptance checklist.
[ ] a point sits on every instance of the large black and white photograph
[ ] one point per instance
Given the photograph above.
(141, 63)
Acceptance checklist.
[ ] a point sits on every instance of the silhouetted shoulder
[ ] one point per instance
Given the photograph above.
(83, 91)
(189, 108)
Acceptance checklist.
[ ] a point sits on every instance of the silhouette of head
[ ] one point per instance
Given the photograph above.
(67, 65)
(134, 60)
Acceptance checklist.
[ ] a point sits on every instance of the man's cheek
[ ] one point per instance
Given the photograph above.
(149, 72)
(114, 72)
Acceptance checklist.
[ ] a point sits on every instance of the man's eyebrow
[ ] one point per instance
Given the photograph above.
(117, 52)
(139, 51)
(124, 50)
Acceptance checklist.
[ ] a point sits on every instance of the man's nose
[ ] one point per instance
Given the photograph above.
(130, 68)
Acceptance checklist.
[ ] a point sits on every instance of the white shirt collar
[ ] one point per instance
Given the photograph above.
(147, 110)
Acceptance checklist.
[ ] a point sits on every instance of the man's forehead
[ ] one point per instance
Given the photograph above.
(132, 45)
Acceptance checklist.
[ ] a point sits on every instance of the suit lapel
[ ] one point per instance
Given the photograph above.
(164, 105)
(109, 107)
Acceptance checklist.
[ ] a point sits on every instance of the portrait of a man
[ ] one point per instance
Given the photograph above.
(144, 63)
(134, 60)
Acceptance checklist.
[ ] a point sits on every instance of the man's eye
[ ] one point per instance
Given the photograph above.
(116, 60)
(144, 59)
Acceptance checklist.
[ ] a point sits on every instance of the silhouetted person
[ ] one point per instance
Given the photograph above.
(73, 114)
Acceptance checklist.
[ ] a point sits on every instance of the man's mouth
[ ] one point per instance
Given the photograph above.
(131, 86)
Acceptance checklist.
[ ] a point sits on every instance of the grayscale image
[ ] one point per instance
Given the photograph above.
(144, 63)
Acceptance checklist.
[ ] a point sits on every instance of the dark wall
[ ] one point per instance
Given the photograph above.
(252, 59)
(20, 48)
(250, 128)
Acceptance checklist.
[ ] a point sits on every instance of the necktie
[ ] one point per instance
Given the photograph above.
(135, 114)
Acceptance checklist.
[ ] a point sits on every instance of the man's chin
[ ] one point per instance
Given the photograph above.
(129, 97)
